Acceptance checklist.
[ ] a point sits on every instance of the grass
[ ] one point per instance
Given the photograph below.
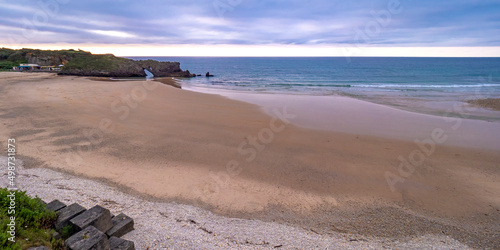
(96, 62)
(33, 222)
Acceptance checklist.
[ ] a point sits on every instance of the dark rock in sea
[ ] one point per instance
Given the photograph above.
(208, 74)
(88, 238)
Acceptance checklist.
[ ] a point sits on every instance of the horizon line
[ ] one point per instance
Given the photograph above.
(270, 50)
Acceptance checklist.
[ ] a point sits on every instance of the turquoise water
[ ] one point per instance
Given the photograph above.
(422, 84)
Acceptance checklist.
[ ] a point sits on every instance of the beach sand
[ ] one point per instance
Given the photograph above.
(490, 103)
(230, 157)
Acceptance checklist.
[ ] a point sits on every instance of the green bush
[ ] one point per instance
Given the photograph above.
(33, 222)
(4, 65)
(17, 56)
(5, 53)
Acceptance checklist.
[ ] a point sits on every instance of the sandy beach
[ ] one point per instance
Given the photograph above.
(272, 163)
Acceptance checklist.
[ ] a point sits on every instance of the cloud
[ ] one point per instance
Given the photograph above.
(245, 22)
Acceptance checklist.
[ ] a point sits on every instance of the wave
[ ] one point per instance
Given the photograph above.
(386, 86)
(425, 85)
(325, 84)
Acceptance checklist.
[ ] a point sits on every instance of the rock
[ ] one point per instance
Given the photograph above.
(97, 216)
(208, 74)
(111, 66)
(55, 205)
(56, 236)
(116, 243)
(68, 213)
(39, 248)
(88, 238)
(122, 224)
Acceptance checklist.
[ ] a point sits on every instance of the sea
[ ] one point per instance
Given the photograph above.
(425, 85)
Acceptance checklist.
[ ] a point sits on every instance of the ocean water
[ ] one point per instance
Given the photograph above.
(427, 85)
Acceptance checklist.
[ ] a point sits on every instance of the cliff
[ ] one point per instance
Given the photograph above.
(41, 57)
(82, 63)
(112, 66)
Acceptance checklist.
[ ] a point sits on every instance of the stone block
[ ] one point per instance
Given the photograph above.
(122, 224)
(116, 243)
(97, 217)
(39, 248)
(56, 236)
(88, 238)
(55, 205)
(68, 213)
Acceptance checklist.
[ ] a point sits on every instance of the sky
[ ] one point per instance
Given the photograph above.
(255, 27)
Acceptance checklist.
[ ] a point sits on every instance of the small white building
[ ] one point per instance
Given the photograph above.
(28, 66)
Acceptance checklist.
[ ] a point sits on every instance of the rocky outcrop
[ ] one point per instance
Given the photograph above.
(111, 66)
(82, 63)
(49, 59)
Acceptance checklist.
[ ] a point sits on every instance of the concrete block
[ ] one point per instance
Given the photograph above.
(116, 243)
(88, 238)
(68, 213)
(55, 205)
(56, 236)
(122, 224)
(97, 216)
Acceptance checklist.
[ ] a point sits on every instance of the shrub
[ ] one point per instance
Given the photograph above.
(33, 222)
(4, 65)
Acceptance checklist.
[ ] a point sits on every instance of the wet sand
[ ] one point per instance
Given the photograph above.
(490, 103)
(353, 116)
(165, 143)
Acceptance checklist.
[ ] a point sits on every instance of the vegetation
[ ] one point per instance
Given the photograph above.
(16, 55)
(6, 65)
(83, 63)
(33, 222)
(109, 65)
(10, 58)
(102, 63)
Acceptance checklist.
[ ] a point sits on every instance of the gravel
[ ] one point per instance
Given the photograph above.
(168, 225)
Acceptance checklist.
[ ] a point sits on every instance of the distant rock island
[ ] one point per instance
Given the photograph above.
(83, 63)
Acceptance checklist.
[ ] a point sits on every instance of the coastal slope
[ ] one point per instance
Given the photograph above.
(83, 63)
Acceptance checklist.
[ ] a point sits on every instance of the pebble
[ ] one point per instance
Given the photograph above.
(168, 225)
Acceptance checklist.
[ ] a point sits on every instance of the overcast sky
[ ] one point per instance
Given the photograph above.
(404, 23)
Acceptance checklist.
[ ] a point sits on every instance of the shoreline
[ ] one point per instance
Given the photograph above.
(174, 142)
(463, 106)
(378, 120)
